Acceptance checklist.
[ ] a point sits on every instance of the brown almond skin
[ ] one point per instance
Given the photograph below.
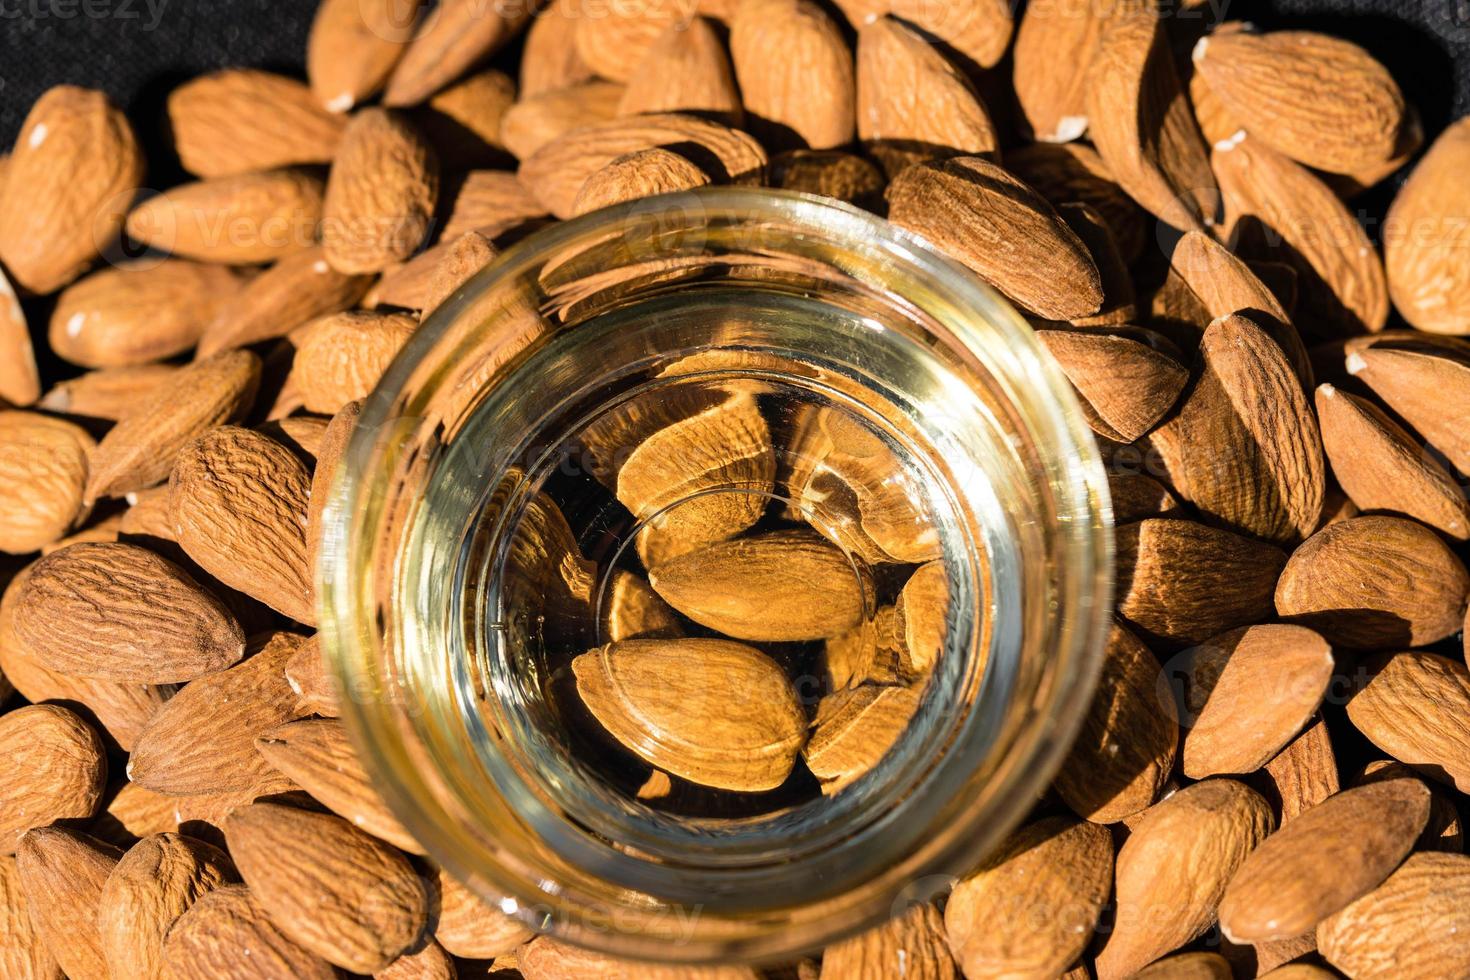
(1063, 172)
(686, 70)
(139, 451)
(120, 612)
(203, 740)
(1410, 706)
(1409, 928)
(340, 357)
(428, 962)
(979, 32)
(543, 958)
(335, 890)
(1427, 386)
(1188, 966)
(56, 770)
(1374, 583)
(241, 120)
(1174, 867)
(298, 288)
(467, 927)
(317, 754)
(643, 173)
(461, 34)
(494, 200)
(238, 220)
(206, 942)
(1329, 856)
(1426, 278)
(537, 120)
(776, 586)
(62, 873)
(239, 504)
(44, 465)
(1249, 692)
(107, 394)
(154, 882)
(795, 71)
(1031, 909)
(1054, 48)
(1129, 385)
(967, 206)
(1301, 775)
(1383, 468)
(549, 58)
(20, 379)
(912, 944)
(23, 954)
(1124, 753)
(69, 182)
(380, 195)
(353, 46)
(1443, 831)
(1180, 582)
(329, 458)
(138, 312)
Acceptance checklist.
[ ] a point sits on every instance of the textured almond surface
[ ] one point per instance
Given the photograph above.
(1413, 706)
(1425, 238)
(467, 927)
(685, 70)
(746, 732)
(20, 381)
(854, 729)
(546, 959)
(121, 612)
(56, 770)
(461, 33)
(207, 939)
(62, 873)
(540, 119)
(1067, 172)
(239, 501)
(1375, 583)
(23, 953)
(1129, 386)
(795, 71)
(489, 199)
(337, 891)
(912, 944)
(69, 181)
(980, 31)
(298, 288)
(1426, 387)
(380, 195)
(241, 219)
(1055, 45)
(340, 357)
(1001, 229)
(1173, 870)
(44, 464)
(239, 120)
(354, 45)
(1408, 927)
(1031, 908)
(636, 175)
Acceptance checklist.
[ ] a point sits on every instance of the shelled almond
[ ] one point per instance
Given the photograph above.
(1269, 779)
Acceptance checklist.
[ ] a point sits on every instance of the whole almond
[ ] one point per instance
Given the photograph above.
(20, 382)
(1244, 446)
(1055, 44)
(203, 740)
(854, 729)
(1302, 775)
(643, 173)
(1031, 907)
(1247, 694)
(241, 120)
(1174, 867)
(23, 954)
(1409, 707)
(239, 503)
(1424, 238)
(107, 394)
(1074, 172)
(353, 46)
(632, 610)
(912, 945)
(557, 170)
(781, 585)
(1124, 753)
(69, 183)
(912, 104)
(1181, 582)
(1408, 927)
(239, 220)
(921, 616)
(979, 31)
(461, 260)
(380, 194)
(340, 357)
(1427, 387)
(549, 58)
(543, 958)
(1329, 856)
(795, 71)
(1128, 385)
(490, 201)
(121, 612)
(139, 451)
(56, 770)
(713, 712)
(139, 312)
(990, 221)
(317, 754)
(154, 883)
(468, 927)
(207, 939)
(1322, 101)
(44, 463)
(298, 288)
(1383, 468)
(686, 70)
(1374, 583)
(332, 888)
(62, 873)
(456, 35)
(1340, 274)
(1140, 121)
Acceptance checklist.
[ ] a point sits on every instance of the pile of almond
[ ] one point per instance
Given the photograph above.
(1270, 777)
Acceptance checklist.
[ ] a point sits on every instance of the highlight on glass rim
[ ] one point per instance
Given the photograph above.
(734, 490)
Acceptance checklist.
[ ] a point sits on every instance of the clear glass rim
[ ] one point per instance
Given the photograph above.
(347, 606)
